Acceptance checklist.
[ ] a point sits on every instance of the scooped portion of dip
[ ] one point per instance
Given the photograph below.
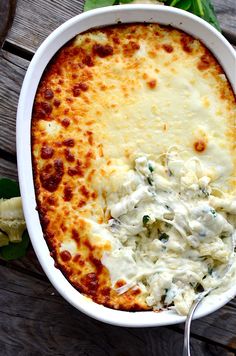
(175, 230)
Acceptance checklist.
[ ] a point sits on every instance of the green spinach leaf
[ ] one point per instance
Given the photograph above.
(94, 4)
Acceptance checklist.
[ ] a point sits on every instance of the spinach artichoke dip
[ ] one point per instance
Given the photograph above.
(133, 148)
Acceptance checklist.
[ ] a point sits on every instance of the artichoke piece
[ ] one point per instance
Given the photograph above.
(12, 218)
(4, 240)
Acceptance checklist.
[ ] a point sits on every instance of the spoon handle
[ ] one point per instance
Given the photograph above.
(186, 348)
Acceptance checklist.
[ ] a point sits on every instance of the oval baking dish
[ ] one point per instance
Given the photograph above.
(179, 19)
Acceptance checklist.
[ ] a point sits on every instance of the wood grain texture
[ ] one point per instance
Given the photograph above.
(7, 11)
(12, 69)
(226, 13)
(35, 20)
(218, 328)
(35, 321)
(8, 169)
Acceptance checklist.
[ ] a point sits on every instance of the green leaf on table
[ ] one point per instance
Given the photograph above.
(94, 4)
(125, 1)
(182, 4)
(15, 250)
(197, 8)
(210, 15)
(9, 188)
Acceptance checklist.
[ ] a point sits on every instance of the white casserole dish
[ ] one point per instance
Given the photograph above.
(105, 16)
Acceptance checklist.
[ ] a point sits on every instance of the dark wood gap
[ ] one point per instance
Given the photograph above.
(7, 156)
(201, 338)
(230, 36)
(17, 50)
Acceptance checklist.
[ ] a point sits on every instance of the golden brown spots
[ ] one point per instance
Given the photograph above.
(167, 47)
(75, 236)
(88, 61)
(57, 103)
(52, 200)
(100, 150)
(116, 39)
(102, 50)
(130, 48)
(65, 122)
(94, 195)
(78, 88)
(204, 62)
(51, 175)
(152, 84)
(90, 137)
(88, 157)
(89, 123)
(68, 193)
(48, 94)
(68, 155)
(120, 283)
(199, 146)
(81, 203)
(47, 152)
(63, 227)
(69, 142)
(90, 283)
(84, 191)
(65, 256)
(186, 43)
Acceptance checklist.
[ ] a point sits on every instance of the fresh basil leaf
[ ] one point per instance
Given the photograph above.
(210, 15)
(126, 1)
(173, 2)
(9, 188)
(196, 8)
(94, 4)
(184, 4)
(17, 250)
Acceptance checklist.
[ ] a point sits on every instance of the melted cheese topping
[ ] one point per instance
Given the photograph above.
(111, 104)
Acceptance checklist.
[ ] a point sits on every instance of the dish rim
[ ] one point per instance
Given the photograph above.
(180, 19)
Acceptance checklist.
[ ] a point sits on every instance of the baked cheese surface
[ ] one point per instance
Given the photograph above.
(133, 147)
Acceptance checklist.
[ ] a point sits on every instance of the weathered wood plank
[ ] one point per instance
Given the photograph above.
(218, 327)
(7, 11)
(226, 13)
(35, 20)
(12, 69)
(29, 307)
(7, 169)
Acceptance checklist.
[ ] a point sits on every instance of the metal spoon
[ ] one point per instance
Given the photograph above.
(197, 301)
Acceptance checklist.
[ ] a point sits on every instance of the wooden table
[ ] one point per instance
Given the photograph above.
(34, 319)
